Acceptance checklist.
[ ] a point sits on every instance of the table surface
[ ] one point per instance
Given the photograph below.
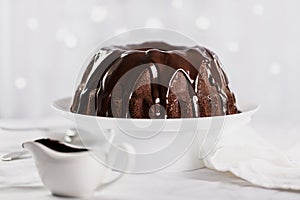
(19, 178)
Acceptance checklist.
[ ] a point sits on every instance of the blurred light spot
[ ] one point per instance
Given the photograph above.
(20, 83)
(258, 9)
(68, 38)
(177, 3)
(275, 69)
(153, 23)
(203, 23)
(98, 13)
(32, 23)
(233, 47)
(71, 41)
(120, 30)
(61, 34)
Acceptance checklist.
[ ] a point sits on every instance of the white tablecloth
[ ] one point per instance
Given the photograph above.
(19, 178)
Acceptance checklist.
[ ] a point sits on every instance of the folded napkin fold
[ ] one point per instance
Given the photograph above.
(249, 156)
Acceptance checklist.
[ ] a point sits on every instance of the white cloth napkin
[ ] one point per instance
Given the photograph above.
(248, 156)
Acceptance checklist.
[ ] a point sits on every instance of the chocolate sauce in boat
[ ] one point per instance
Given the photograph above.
(59, 147)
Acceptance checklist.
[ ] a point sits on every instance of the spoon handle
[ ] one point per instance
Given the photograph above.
(46, 129)
(24, 129)
(14, 155)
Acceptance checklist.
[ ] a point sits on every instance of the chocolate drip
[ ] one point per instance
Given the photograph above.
(154, 80)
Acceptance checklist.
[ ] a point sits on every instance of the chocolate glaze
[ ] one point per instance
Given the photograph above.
(154, 80)
(58, 146)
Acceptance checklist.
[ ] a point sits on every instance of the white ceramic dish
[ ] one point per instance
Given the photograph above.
(172, 144)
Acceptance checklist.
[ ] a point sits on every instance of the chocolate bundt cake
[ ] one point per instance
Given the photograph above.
(154, 80)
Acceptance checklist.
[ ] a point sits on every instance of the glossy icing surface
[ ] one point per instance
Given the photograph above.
(154, 80)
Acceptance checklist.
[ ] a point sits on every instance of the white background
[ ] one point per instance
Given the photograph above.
(43, 45)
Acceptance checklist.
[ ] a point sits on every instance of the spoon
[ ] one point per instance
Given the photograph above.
(15, 155)
(32, 129)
